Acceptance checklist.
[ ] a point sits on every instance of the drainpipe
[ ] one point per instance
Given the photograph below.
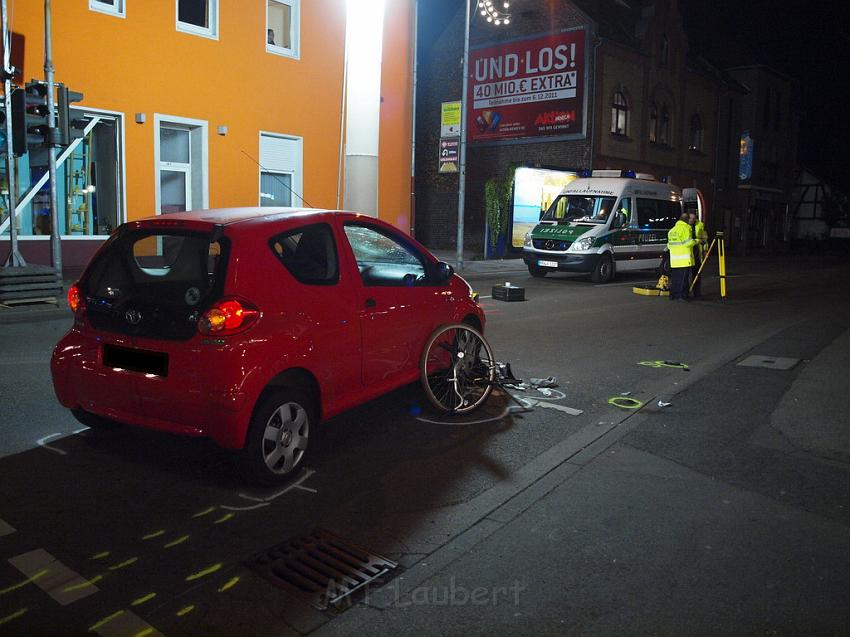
(591, 121)
(412, 220)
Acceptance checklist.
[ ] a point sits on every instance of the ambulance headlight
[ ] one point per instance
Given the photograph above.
(526, 243)
(582, 244)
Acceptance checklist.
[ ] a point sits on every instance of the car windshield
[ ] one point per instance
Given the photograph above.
(585, 208)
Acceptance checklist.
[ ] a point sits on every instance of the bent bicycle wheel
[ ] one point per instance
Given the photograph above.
(457, 369)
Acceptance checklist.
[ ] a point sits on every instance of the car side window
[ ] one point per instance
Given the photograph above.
(382, 259)
(309, 253)
(623, 216)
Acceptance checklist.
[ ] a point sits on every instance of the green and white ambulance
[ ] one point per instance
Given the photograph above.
(609, 222)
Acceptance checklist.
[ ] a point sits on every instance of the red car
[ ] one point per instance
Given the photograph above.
(250, 325)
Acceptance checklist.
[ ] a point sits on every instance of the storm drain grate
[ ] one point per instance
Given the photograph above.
(769, 362)
(321, 568)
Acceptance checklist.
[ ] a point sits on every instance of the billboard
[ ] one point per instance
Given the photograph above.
(534, 191)
(527, 88)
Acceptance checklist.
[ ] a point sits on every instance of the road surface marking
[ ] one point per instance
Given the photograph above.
(224, 518)
(207, 571)
(6, 528)
(77, 587)
(174, 543)
(57, 578)
(100, 556)
(120, 565)
(151, 536)
(142, 600)
(41, 442)
(267, 500)
(201, 514)
(124, 623)
(229, 584)
(29, 580)
(14, 615)
(185, 611)
(535, 402)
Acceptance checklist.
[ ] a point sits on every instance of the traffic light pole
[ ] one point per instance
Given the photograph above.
(461, 188)
(55, 242)
(15, 259)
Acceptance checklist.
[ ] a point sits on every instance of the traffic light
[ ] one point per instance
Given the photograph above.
(70, 127)
(30, 118)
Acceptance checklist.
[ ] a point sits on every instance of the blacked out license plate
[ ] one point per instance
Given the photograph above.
(135, 360)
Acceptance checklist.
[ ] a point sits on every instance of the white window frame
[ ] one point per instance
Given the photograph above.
(297, 184)
(118, 8)
(186, 27)
(295, 21)
(161, 120)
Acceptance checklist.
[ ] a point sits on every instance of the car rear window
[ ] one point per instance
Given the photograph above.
(166, 278)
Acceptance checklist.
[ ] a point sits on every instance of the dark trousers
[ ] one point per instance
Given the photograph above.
(678, 283)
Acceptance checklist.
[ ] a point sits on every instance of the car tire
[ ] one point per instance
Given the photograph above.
(536, 271)
(604, 270)
(278, 436)
(93, 421)
(664, 268)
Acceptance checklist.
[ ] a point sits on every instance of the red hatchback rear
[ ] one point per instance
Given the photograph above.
(250, 325)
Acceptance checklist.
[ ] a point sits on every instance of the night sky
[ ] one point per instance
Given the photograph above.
(809, 41)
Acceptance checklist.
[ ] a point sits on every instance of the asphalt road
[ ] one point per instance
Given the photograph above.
(160, 532)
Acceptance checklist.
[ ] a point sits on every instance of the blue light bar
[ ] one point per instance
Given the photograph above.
(585, 172)
(628, 173)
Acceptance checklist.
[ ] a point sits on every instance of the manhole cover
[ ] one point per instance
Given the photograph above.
(769, 362)
(321, 568)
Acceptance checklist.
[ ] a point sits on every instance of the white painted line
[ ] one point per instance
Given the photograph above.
(42, 443)
(6, 528)
(486, 297)
(267, 500)
(533, 402)
(125, 624)
(58, 581)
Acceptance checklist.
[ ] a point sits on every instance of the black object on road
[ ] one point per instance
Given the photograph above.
(508, 293)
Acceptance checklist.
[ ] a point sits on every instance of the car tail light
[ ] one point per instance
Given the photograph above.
(75, 299)
(228, 316)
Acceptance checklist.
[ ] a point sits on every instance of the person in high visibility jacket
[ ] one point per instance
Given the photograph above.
(680, 244)
(701, 237)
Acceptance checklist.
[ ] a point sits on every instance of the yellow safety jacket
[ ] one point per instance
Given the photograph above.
(702, 238)
(680, 244)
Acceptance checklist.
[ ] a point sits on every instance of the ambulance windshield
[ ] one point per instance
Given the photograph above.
(579, 208)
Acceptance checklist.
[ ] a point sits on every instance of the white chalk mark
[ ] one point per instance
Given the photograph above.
(267, 500)
(42, 442)
(536, 402)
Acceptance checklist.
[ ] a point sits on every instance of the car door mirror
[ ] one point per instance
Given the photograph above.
(441, 272)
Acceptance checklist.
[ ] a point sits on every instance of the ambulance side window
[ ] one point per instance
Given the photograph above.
(646, 213)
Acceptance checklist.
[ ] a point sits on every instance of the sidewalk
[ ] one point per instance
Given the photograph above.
(699, 518)
(484, 268)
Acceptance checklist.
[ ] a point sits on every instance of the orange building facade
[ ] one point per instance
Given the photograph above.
(193, 104)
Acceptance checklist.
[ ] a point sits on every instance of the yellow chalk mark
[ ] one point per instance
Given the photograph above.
(224, 518)
(132, 560)
(179, 540)
(143, 633)
(14, 615)
(201, 514)
(151, 536)
(229, 584)
(207, 571)
(99, 556)
(76, 587)
(142, 600)
(185, 611)
(103, 622)
(29, 580)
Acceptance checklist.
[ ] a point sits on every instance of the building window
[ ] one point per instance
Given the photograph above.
(619, 114)
(664, 54)
(181, 155)
(281, 161)
(112, 7)
(696, 133)
(664, 126)
(198, 16)
(653, 123)
(283, 27)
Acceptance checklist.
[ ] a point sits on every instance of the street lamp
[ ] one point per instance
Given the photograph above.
(499, 16)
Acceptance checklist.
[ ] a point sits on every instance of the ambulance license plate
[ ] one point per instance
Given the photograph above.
(547, 264)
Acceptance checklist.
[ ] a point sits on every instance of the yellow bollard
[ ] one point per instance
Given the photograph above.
(721, 259)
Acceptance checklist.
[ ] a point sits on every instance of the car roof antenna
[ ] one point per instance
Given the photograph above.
(278, 179)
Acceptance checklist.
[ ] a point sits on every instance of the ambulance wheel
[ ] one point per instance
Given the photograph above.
(604, 270)
(536, 271)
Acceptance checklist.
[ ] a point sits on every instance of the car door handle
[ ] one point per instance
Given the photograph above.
(371, 303)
